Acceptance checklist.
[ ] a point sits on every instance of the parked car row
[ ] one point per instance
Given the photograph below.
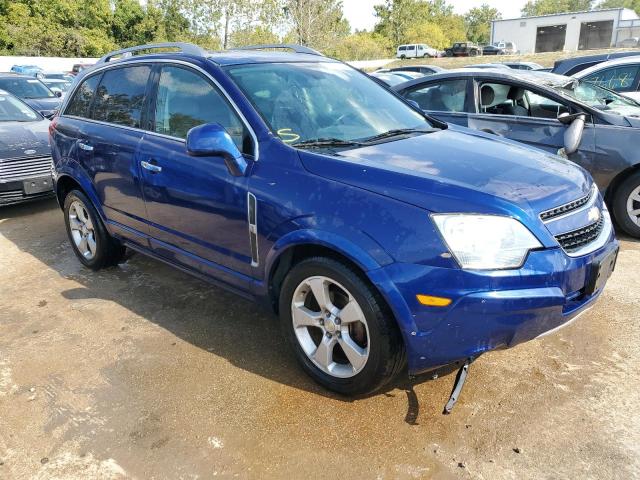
(383, 237)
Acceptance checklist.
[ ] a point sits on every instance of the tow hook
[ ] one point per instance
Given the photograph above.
(457, 386)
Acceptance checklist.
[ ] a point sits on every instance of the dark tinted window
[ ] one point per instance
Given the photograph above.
(186, 99)
(81, 101)
(446, 96)
(120, 96)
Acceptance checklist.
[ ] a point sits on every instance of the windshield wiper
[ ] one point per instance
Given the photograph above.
(327, 143)
(398, 132)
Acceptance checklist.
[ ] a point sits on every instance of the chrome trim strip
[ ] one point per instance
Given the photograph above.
(565, 324)
(252, 217)
(134, 61)
(593, 194)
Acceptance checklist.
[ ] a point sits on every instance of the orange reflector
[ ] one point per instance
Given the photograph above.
(433, 301)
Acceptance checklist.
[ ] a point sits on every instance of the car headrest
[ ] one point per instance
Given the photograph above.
(515, 93)
(487, 95)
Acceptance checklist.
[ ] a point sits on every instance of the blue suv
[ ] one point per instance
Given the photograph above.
(381, 236)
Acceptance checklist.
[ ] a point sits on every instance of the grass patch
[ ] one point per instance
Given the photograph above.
(545, 59)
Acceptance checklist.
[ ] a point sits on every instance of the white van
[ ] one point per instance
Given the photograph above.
(417, 50)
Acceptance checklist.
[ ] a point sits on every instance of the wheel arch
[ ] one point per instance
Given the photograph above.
(68, 180)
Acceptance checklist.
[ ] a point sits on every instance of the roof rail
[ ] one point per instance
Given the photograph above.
(186, 48)
(284, 46)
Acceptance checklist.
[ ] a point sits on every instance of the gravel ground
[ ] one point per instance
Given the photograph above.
(141, 371)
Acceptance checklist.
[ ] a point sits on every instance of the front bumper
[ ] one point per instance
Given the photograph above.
(13, 192)
(489, 309)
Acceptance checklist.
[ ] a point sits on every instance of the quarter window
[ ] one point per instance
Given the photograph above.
(81, 101)
(620, 79)
(120, 96)
(185, 100)
(448, 96)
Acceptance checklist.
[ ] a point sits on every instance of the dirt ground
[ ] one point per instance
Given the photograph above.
(143, 372)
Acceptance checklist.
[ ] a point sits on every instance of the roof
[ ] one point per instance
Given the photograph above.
(239, 57)
(15, 75)
(561, 14)
(610, 63)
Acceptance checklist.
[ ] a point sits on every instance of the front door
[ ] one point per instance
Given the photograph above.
(531, 117)
(197, 210)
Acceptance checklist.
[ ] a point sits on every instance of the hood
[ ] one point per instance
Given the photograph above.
(18, 139)
(457, 170)
(40, 104)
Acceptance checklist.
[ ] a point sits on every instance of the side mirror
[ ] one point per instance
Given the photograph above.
(56, 91)
(210, 140)
(573, 133)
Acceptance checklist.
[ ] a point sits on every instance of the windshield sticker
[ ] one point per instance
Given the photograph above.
(288, 136)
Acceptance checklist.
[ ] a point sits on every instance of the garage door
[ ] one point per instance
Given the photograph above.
(551, 38)
(595, 35)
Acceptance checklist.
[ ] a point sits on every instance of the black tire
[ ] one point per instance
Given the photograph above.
(473, 53)
(402, 57)
(448, 53)
(386, 348)
(621, 196)
(108, 251)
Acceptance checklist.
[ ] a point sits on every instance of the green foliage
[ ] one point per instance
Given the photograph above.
(547, 7)
(632, 4)
(478, 23)
(361, 46)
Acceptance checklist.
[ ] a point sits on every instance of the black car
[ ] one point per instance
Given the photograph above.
(592, 126)
(571, 66)
(32, 92)
(463, 49)
(25, 155)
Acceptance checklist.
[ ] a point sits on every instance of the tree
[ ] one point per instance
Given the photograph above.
(632, 4)
(361, 46)
(316, 23)
(547, 7)
(478, 22)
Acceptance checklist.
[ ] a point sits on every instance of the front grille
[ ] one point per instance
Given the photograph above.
(566, 208)
(576, 239)
(19, 168)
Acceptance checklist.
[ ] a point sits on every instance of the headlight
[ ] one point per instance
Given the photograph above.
(486, 241)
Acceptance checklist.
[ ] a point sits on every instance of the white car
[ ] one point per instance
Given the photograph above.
(416, 50)
(621, 75)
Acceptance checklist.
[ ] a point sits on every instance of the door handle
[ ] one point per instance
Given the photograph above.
(86, 147)
(152, 167)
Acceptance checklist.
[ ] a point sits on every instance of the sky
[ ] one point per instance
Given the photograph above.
(360, 12)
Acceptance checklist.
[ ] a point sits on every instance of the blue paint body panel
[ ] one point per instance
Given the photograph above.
(371, 205)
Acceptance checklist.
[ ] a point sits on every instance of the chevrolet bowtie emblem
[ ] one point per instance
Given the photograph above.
(594, 214)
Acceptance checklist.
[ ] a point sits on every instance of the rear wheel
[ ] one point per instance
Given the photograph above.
(339, 328)
(448, 53)
(90, 241)
(626, 205)
(473, 53)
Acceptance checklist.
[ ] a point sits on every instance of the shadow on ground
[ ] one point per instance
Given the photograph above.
(246, 334)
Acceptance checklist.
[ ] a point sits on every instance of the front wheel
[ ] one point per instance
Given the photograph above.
(473, 53)
(90, 241)
(626, 205)
(339, 328)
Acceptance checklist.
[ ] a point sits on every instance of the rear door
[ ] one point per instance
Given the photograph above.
(446, 100)
(197, 210)
(112, 139)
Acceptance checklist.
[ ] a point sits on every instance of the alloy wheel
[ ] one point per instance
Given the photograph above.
(633, 206)
(82, 230)
(330, 327)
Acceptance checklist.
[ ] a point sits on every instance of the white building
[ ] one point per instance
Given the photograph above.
(568, 31)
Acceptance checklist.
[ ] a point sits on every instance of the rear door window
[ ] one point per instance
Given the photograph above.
(446, 96)
(120, 96)
(81, 102)
(620, 79)
(185, 99)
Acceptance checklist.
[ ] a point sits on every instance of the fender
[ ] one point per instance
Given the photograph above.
(68, 167)
(359, 253)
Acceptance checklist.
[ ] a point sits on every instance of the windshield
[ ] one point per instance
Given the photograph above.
(63, 86)
(305, 102)
(25, 87)
(13, 110)
(598, 97)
